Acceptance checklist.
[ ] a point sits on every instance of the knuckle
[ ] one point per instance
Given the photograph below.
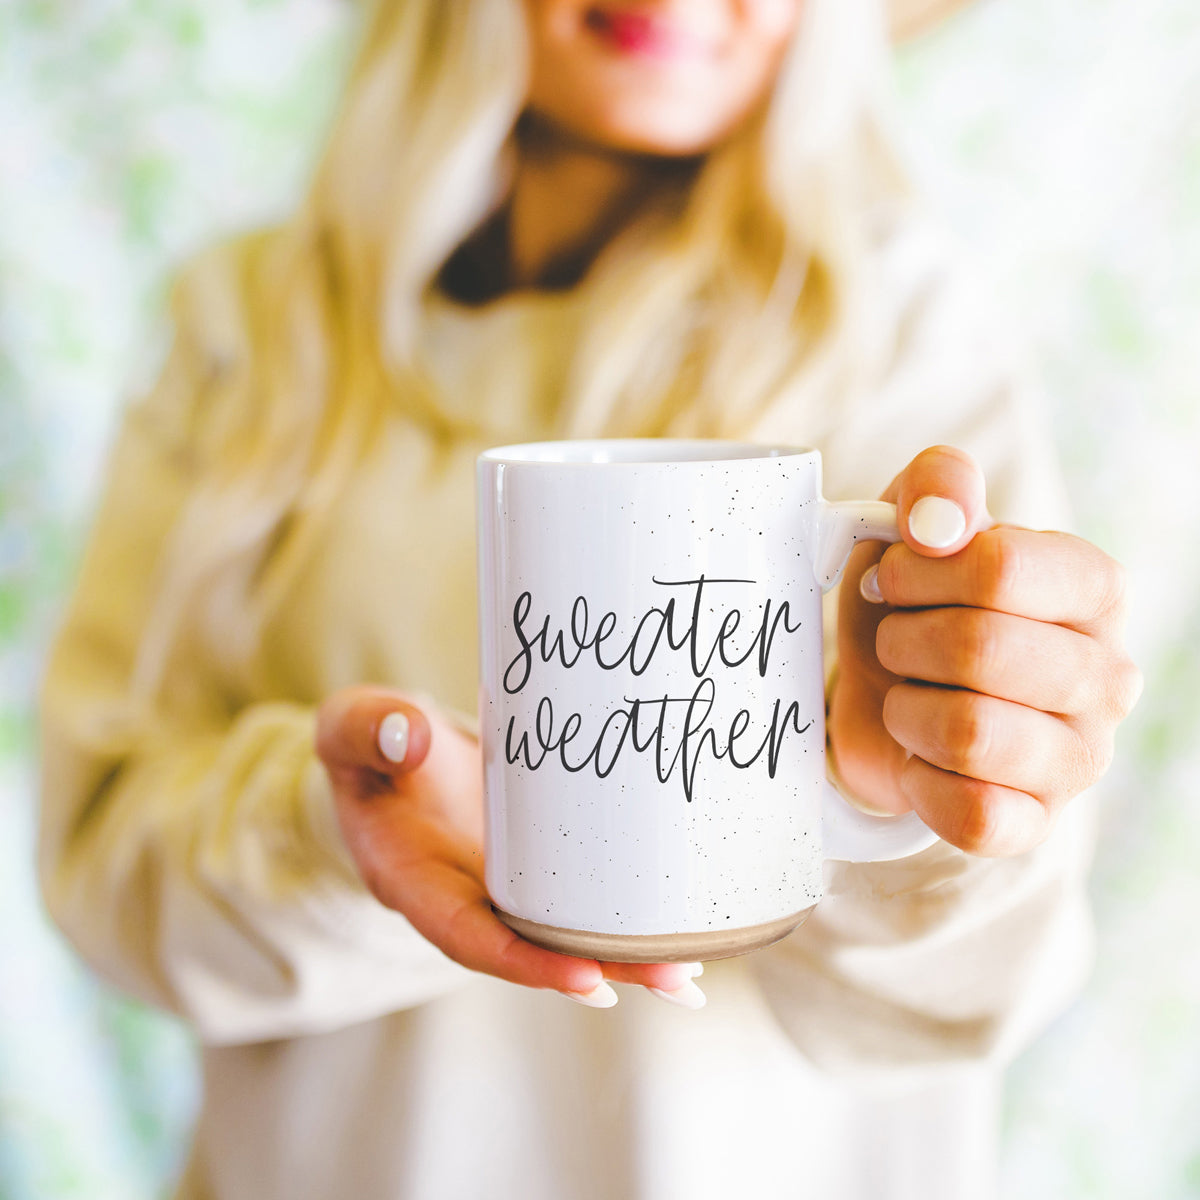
(326, 740)
(934, 458)
(977, 827)
(889, 643)
(454, 939)
(1085, 758)
(967, 734)
(891, 577)
(335, 719)
(1105, 686)
(1078, 694)
(977, 647)
(374, 785)
(1079, 688)
(1096, 752)
(510, 959)
(1108, 689)
(1128, 683)
(999, 569)
(1103, 755)
(1114, 588)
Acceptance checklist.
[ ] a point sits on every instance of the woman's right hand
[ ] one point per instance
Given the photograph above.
(414, 828)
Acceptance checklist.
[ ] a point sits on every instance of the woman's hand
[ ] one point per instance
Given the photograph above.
(981, 678)
(415, 830)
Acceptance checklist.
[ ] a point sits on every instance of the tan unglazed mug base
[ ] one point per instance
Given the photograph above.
(654, 947)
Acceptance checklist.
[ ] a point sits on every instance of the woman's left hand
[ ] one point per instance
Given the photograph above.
(981, 677)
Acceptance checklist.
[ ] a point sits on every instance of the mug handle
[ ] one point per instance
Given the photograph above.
(850, 835)
(847, 833)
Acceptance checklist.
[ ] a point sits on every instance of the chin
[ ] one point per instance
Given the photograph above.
(664, 143)
(642, 128)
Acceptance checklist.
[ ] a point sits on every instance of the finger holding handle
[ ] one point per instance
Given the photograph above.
(941, 504)
(940, 500)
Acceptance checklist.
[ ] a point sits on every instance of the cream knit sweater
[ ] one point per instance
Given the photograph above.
(344, 1056)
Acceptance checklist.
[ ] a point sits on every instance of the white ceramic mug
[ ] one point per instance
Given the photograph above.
(652, 694)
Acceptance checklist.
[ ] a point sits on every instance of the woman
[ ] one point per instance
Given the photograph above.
(540, 219)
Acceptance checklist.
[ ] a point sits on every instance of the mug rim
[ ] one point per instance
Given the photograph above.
(633, 452)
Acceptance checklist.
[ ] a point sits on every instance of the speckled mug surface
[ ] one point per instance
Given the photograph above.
(652, 693)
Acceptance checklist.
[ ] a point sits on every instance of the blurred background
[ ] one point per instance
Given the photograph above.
(1061, 138)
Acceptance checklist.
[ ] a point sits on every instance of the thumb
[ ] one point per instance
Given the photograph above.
(940, 501)
(375, 728)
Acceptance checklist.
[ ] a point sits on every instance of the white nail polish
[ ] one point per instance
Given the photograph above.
(393, 737)
(601, 996)
(936, 522)
(688, 996)
(696, 969)
(868, 586)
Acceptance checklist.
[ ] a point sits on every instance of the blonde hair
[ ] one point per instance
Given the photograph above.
(293, 344)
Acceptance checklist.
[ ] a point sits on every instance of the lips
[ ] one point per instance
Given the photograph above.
(633, 31)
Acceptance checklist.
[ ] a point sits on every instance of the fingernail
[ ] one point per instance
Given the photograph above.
(695, 969)
(936, 522)
(393, 737)
(868, 586)
(601, 996)
(688, 996)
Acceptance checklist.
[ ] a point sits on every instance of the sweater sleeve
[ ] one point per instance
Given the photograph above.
(941, 957)
(191, 853)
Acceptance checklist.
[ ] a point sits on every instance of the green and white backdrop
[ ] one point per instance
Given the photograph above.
(1060, 137)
